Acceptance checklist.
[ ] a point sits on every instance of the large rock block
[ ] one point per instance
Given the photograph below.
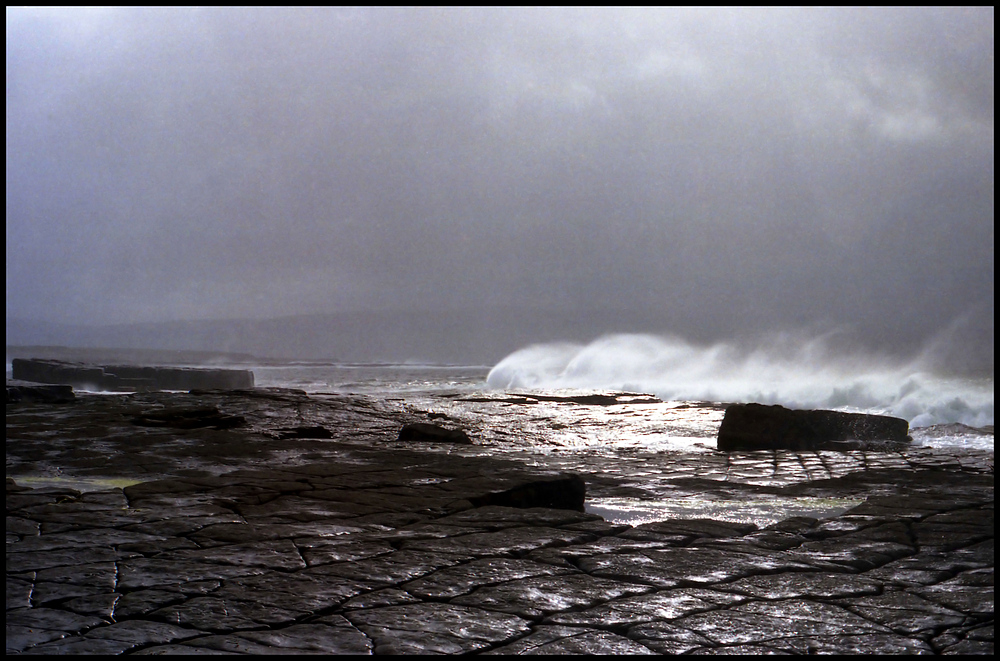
(27, 391)
(565, 491)
(57, 371)
(428, 433)
(761, 427)
(129, 377)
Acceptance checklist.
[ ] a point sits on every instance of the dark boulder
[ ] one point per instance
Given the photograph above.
(761, 427)
(563, 491)
(188, 418)
(428, 433)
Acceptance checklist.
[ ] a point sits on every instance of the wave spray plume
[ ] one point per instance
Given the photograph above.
(786, 369)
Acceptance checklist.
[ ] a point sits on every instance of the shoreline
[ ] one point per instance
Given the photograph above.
(238, 541)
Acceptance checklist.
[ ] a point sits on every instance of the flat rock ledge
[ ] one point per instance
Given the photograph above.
(352, 557)
(128, 377)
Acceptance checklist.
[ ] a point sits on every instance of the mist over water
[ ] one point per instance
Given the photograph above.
(794, 371)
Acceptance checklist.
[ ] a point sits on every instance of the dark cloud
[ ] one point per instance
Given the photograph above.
(718, 171)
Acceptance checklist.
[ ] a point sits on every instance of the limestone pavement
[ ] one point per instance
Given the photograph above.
(383, 549)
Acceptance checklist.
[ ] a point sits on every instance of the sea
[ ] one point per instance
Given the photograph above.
(692, 383)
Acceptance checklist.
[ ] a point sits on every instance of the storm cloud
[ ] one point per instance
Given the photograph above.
(707, 173)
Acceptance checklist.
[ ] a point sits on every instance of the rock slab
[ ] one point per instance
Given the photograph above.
(129, 377)
(761, 427)
(19, 391)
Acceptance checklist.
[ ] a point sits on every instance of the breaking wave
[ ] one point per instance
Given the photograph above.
(787, 370)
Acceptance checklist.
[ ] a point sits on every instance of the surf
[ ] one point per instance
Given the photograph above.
(785, 368)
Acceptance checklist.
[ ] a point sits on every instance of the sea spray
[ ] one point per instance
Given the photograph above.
(785, 369)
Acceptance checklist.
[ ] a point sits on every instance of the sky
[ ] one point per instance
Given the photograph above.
(719, 171)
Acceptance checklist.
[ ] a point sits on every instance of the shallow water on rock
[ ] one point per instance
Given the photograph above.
(761, 512)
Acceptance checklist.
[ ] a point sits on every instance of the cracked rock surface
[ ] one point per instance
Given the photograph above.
(239, 541)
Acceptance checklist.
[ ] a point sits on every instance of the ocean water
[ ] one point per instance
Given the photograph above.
(693, 383)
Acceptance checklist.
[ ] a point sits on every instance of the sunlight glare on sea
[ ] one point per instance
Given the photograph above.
(641, 425)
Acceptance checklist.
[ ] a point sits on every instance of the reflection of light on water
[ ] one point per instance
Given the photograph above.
(761, 513)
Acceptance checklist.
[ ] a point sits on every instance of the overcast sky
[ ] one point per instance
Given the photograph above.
(729, 168)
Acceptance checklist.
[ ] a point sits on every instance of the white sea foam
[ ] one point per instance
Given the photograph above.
(789, 370)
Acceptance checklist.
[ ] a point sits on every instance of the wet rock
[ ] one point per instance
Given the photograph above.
(534, 597)
(976, 639)
(570, 640)
(130, 377)
(220, 614)
(761, 427)
(848, 554)
(951, 530)
(296, 639)
(140, 602)
(379, 548)
(152, 572)
(687, 529)
(307, 591)
(47, 592)
(392, 569)
(27, 391)
(101, 605)
(424, 432)
(73, 558)
(142, 632)
(315, 431)
(462, 579)
(508, 542)
(663, 605)
(557, 492)
(496, 517)
(381, 598)
(873, 643)
(667, 638)
(818, 585)
(188, 418)
(325, 551)
(974, 600)
(687, 566)
(278, 554)
(435, 628)
(773, 621)
(35, 625)
(21, 637)
(332, 634)
(18, 592)
(903, 612)
(76, 644)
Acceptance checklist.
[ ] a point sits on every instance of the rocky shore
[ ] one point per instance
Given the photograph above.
(265, 521)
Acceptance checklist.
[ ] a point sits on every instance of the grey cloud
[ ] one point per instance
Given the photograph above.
(727, 170)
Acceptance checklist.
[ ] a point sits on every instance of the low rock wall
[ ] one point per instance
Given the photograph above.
(129, 377)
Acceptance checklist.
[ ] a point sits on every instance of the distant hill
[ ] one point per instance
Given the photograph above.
(111, 355)
(470, 337)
